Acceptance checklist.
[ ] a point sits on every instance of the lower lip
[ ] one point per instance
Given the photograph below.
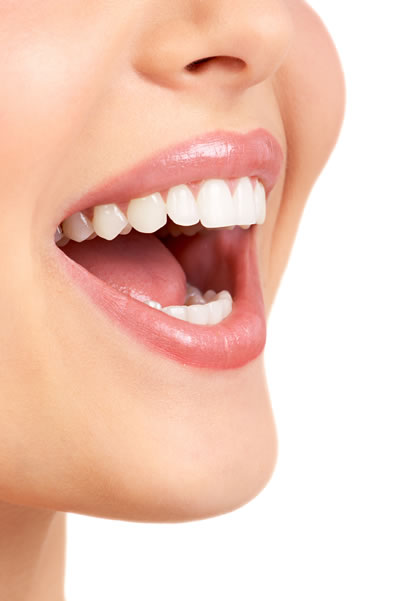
(232, 343)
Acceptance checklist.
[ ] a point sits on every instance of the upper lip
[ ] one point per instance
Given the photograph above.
(219, 154)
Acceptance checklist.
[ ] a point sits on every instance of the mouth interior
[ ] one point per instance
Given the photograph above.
(148, 267)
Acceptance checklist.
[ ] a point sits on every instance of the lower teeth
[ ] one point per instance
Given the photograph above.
(208, 309)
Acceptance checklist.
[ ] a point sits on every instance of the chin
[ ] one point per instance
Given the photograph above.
(175, 457)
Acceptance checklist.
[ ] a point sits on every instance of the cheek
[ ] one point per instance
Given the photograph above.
(311, 101)
(38, 111)
(50, 77)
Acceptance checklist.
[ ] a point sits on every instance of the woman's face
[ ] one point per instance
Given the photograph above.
(111, 407)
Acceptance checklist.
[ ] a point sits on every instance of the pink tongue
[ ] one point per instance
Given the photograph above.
(138, 265)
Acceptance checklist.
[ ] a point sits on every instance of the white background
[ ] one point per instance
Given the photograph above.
(327, 526)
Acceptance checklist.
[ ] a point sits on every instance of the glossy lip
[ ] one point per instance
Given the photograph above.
(240, 337)
(219, 154)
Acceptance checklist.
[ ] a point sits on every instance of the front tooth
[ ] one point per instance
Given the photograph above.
(147, 214)
(108, 221)
(198, 314)
(225, 299)
(215, 204)
(77, 227)
(178, 311)
(181, 206)
(243, 200)
(214, 312)
(260, 201)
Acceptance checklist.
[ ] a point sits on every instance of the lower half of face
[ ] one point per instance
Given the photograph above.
(154, 167)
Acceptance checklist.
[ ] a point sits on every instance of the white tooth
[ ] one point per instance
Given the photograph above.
(260, 200)
(178, 311)
(215, 312)
(209, 295)
(77, 227)
(225, 299)
(181, 206)
(226, 307)
(147, 214)
(108, 221)
(215, 204)
(243, 200)
(198, 314)
(127, 230)
(224, 294)
(154, 304)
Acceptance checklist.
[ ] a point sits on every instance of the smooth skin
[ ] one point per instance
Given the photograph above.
(92, 422)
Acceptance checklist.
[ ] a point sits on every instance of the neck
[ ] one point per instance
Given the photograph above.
(32, 553)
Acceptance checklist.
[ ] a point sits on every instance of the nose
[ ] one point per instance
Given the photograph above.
(228, 44)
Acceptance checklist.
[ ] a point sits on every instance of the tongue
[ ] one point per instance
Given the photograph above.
(138, 265)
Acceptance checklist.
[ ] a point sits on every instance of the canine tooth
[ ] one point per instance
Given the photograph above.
(243, 200)
(214, 312)
(77, 227)
(260, 201)
(181, 206)
(108, 221)
(178, 311)
(127, 230)
(215, 204)
(198, 314)
(209, 295)
(147, 214)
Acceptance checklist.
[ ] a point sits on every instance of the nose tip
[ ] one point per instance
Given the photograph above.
(230, 46)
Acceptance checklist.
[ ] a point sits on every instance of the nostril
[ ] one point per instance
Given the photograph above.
(230, 63)
(195, 65)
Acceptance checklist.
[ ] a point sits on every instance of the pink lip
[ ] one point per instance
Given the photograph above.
(241, 336)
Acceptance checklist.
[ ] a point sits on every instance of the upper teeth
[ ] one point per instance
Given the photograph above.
(214, 207)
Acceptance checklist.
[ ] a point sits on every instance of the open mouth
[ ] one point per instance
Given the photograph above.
(176, 266)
